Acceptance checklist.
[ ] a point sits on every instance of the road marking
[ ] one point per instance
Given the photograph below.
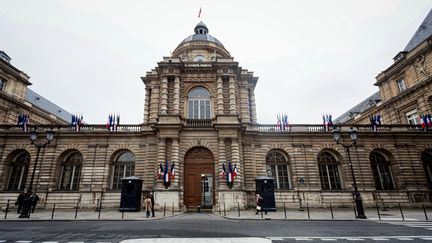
(304, 239)
(23, 241)
(50, 242)
(378, 239)
(354, 239)
(404, 238)
(328, 239)
(426, 238)
(200, 240)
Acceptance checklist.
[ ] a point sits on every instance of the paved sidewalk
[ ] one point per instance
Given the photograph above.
(326, 214)
(85, 214)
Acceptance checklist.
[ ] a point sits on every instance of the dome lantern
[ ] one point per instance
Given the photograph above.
(201, 29)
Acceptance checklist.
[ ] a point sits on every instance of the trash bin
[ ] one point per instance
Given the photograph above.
(265, 187)
(131, 194)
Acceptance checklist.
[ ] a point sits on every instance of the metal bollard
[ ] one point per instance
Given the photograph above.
(331, 211)
(100, 208)
(122, 214)
(424, 210)
(7, 209)
(53, 211)
(164, 209)
(172, 209)
(284, 210)
(238, 207)
(224, 210)
(76, 210)
(220, 209)
(403, 218)
(307, 208)
(378, 212)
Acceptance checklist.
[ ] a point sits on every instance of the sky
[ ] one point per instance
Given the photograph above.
(311, 56)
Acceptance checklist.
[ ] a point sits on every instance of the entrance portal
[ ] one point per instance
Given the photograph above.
(199, 174)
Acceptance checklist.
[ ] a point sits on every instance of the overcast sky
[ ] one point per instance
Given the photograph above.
(310, 56)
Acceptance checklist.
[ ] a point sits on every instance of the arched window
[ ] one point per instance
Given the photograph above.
(122, 166)
(199, 104)
(70, 171)
(381, 171)
(329, 171)
(18, 171)
(426, 158)
(199, 58)
(277, 167)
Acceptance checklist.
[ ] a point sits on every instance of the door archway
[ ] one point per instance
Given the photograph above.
(198, 179)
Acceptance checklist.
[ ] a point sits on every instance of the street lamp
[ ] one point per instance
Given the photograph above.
(357, 196)
(25, 211)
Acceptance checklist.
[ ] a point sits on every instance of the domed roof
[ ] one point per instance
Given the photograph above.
(201, 34)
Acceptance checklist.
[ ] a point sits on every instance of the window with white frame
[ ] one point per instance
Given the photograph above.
(199, 104)
(2, 84)
(412, 117)
(70, 171)
(277, 167)
(329, 171)
(381, 171)
(123, 166)
(401, 84)
(18, 171)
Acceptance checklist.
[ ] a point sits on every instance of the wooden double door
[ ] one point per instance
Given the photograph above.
(199, 178)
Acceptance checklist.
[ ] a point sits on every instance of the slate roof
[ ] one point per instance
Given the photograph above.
(46, 105)
(423, 32)
(363, 106)
(201, 37)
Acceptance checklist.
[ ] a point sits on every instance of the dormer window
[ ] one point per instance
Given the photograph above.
(199, 58)
(401, 84)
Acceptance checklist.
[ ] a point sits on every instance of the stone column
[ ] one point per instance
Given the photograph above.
(176, 102)
(219, 97)
(164, 96)
(154, 105)
(232, 96)
(235, 159)
(162, 151)
(147, 106)
(253, 107)
(175, 155)
(222, 159)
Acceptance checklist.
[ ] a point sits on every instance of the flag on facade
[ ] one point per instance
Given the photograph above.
(375, 120)
(23, 121)
(76, 122)
(160, 170)
(429, 120)
(285, 122)
(327, 121)
(223, 169)
(278, 122)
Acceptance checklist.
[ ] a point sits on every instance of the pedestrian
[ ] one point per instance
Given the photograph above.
(34, 200)
(152, 203)
(148, 205)
(259, 204)
(20, 201)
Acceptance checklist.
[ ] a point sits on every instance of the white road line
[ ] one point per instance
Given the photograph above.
(23, 241)
(50, 242)
(199, 240)
(426, 238)
(354, 239)
(328, 239)
(303, 239)
(380, 239)
(404, 238)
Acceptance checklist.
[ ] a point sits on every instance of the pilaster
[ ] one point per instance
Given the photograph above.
(219, 110)
(176, 102)
(232, 96)
(164, 96)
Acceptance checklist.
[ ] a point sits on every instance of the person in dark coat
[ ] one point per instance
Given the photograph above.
(34, 200)
(259, 203)
(20, 201)
(152, 203)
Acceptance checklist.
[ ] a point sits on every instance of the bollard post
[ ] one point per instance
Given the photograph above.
(220, 209)
(53, 211)
(122, 214)
(331, 211)
(76, 210)
(7, 209)
(403, 218)
(378, 212)
(164, 209)
(172, 209)
(307, 208)
(238, 207)
(224, 210)
(284, 210)
(100, 208)
(262, 212)
(424, 210)
(355, 212)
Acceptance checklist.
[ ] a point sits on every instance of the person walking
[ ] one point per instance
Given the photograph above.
(34, 200)
(148, 205)
(20, 201)
(152, 203)
(259, 204)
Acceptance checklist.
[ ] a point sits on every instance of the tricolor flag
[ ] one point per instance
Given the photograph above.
(23, 121)
(230, 173)
(285, 123)
(327, 121)
(160, 170)
(375, 120)
(76, 122)
(278, 122)
(429, 120)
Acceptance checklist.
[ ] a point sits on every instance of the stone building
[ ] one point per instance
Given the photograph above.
(199, 116)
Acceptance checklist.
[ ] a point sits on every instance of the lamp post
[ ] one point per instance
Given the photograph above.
(25, 211)
(357, 196)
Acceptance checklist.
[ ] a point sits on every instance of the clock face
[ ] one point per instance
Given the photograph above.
(199, 58)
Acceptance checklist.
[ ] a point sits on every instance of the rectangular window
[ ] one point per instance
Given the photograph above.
(401, 84)
(2, 84)
(412, 117)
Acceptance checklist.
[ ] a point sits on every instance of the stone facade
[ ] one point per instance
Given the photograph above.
(199, 115)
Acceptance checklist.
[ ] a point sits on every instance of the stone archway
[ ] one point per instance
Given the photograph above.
(198, 179)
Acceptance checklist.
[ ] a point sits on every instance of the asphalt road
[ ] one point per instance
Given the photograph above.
(213, 226)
